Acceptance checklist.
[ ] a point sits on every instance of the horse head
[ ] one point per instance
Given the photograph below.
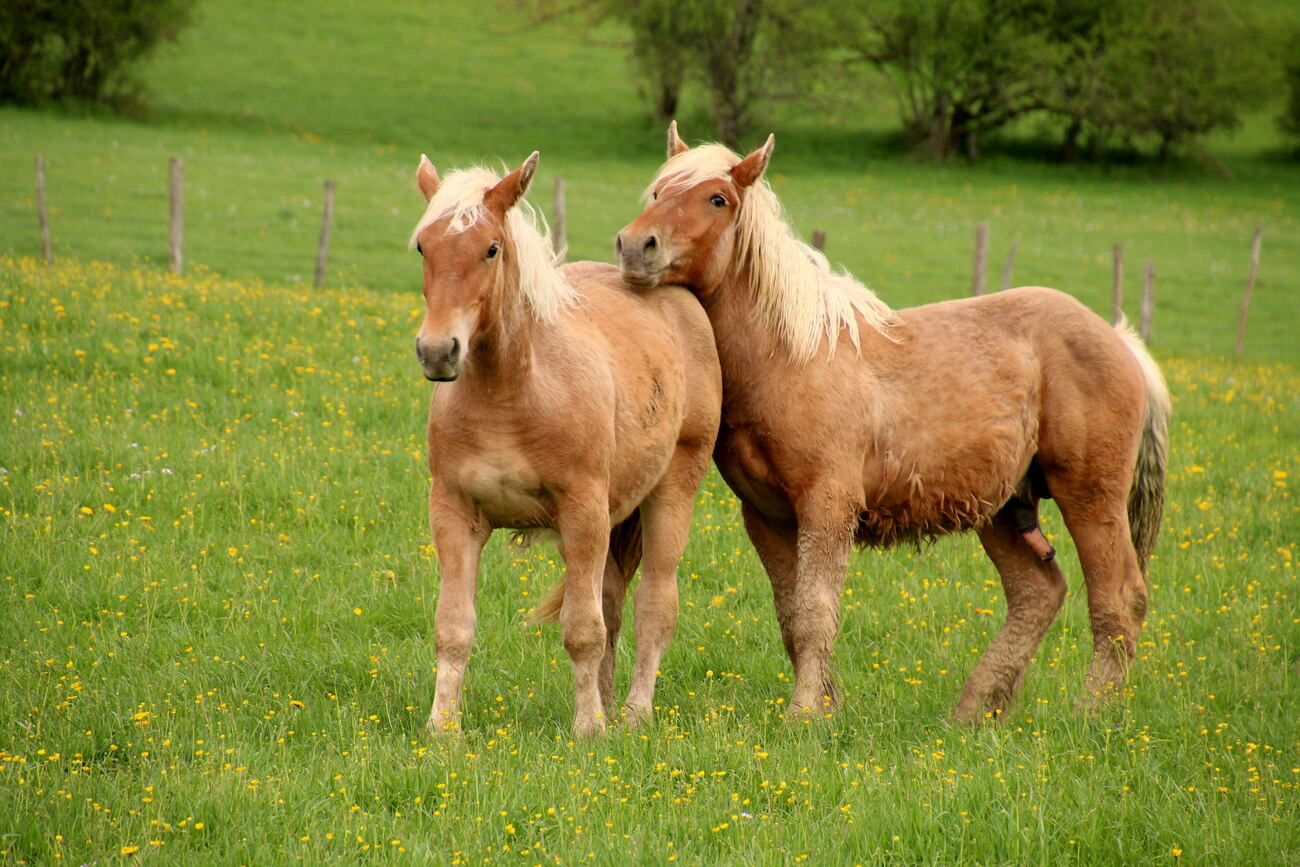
(686, 234)
(468, 256)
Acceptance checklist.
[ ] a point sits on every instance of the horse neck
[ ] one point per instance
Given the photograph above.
(744, 343)
(501, 355)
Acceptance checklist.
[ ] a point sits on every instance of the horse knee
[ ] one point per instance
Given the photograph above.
(584, 637)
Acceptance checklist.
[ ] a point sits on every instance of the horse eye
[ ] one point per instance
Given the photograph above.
(493, 250)
(717, 201)
(654, 196)
(418, 248)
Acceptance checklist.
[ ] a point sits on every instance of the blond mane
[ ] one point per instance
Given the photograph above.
(460, 197)
(795, 291)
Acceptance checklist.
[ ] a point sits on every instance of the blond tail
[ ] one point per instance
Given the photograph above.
(620, 565)
(1146, 498)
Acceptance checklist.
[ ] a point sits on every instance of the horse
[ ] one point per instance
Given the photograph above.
(847, 421)
(569, 406)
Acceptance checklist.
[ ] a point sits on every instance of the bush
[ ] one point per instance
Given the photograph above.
(1290, 119)
(74, 50)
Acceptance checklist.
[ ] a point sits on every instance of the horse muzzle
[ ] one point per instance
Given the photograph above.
(441, 360)
(641, 258)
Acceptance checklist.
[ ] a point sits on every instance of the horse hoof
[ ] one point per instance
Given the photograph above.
(589, 728)
(634, 717)
(443, 725)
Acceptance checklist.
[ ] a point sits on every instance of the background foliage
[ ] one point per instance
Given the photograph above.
(72, 50)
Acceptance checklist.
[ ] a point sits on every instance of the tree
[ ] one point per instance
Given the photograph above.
(960, 69)
(737, 50)
(1290, 118)
(1177, 69)
(71, 49)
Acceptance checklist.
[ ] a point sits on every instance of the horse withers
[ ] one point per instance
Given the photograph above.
(844, 420)
(569, 404)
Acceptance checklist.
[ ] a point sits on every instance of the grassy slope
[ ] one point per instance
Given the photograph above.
(262, 114)
(212, 505)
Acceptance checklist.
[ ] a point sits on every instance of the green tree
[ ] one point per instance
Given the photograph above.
(1289, 121)
(72, 49)
(1173, 70)
(960, 69)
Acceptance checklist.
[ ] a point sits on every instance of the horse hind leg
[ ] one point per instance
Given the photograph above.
(1034, 589)
(1117, 594)
(620, 565)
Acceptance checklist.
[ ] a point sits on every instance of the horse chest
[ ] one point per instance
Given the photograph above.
(506, 489)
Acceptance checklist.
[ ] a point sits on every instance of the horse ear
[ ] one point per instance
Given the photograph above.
(426, 178)
(751, 168)
(512, 187)
(675, 143)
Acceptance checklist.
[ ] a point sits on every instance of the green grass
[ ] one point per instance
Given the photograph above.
(214, 557)
(220, 600)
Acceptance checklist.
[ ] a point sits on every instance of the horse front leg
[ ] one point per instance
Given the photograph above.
(824, 538)
(459, 538)
(583, 524)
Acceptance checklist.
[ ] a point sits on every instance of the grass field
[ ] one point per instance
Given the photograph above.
(213, 550)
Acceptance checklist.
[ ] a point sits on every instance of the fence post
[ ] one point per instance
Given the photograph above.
(979, 282)
(41, 209)
(1148, 300)
(323, 250)
(1006, 268)
(175, 256)
(559, 236)
(819, 239)
(1250, 289)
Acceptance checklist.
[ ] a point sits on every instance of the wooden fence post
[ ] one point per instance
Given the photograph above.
(175, 242)
(1148, 300)
(1250, 289)
(979, 282)
(41, 210)
(1006, 268)
(1117, 299)
(323, 250)
(819, 239)
(559, 236)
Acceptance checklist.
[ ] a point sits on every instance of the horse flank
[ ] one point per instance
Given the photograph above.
(795, 291)
(460, 198)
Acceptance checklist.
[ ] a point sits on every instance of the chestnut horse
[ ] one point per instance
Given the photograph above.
(844, 421)
(569, 404)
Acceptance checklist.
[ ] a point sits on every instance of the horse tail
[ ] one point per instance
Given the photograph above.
(620, 565)
(1146, 498)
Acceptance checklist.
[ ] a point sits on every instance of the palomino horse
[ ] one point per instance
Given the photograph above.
(570, 404)
(844, 420)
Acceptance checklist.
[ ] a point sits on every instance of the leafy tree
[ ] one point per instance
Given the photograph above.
(1177, 69)
(736, 50)
(960, 69)
(72, 49)
(1289, 121)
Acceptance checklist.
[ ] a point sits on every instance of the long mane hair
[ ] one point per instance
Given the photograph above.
(543, 287)
(795, 291)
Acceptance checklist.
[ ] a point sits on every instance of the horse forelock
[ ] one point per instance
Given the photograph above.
(460, 198)
(795, 291)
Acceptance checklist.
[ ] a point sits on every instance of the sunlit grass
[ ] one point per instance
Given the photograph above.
(219, 588)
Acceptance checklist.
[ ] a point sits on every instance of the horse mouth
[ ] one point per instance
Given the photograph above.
(644, 279)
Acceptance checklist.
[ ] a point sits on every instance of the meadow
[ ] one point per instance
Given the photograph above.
(215, 564)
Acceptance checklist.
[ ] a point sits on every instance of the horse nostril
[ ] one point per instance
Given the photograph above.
(454, 353)
(618, 244)
(650, 244)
